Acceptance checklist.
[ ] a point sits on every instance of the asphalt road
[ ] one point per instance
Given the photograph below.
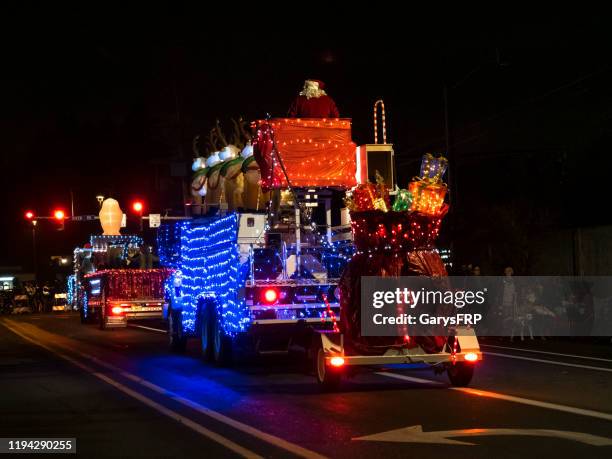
(121, 393)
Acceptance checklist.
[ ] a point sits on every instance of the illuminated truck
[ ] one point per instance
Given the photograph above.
(238, 291)
(106, 291)
(265, 276)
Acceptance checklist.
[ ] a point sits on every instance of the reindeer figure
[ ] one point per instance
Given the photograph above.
(232, 169)
(228, 174)
(214, 185)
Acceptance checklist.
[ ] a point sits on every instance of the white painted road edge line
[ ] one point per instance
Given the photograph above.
(269, 438)
(550, 362)
(158, 330)
(575, 356)
(147, 401)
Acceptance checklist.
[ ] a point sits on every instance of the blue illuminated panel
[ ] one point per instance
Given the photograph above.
(209, 267)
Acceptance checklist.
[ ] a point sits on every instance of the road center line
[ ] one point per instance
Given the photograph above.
(268, 438)
(145, 400)
(526, 401)
(546, 352)
(510, 398)
(550, 362)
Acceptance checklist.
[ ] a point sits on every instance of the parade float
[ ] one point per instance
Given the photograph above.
(113, 279)
(257, 270)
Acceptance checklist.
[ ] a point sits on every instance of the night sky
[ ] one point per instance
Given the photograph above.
(107, 102)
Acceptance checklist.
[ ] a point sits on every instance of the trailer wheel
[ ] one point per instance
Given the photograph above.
(222, 344)
(176, 339)
(328, 378)
(460, 374)
(206, 334)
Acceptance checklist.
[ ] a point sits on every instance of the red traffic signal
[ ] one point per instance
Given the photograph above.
(138, 206)
(29, 215)
(59, 214)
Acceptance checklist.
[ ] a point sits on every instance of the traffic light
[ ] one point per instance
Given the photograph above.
(29, 215)
(138, 206)
(59, 215)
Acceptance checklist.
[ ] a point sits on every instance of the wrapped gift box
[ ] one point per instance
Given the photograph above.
(427, 198)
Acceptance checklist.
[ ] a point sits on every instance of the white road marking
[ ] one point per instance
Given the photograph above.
(159, 330)
(539, 404)
(511, 398)
(415, 434)
(269, 438)
(147, 401)
(533, 351)
(410, 378)
(550, 362)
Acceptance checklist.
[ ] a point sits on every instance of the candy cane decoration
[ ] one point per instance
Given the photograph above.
(384, 123)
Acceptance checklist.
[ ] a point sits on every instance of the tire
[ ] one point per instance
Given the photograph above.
(176, 340)
(222, 344)
(460, 374)
(329, 379)
(206, 334)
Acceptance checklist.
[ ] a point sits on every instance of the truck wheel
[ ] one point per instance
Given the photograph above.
(176, 339)
(328, 378)
(222, 345)
(206, 335)
(460, 374)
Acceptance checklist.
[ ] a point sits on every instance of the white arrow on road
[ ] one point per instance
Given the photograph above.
(415, 434)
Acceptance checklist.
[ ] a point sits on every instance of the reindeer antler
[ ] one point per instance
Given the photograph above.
(236, 135)
(212, 141)
(246, 134)
(195, 146)
(220, 135)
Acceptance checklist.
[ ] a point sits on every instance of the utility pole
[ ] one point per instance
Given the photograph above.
(34, 255)
(71, 203)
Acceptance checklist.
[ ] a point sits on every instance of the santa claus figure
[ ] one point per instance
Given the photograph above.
(313, 102)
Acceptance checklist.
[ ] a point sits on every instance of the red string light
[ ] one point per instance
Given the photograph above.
(133, 283)
(315, 152)
(331, 314)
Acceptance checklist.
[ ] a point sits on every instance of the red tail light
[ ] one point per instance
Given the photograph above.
(117, 310)
(270, 295)
(336, 361)
(471, 357)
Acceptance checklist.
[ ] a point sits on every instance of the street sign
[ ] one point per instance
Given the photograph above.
(83, 218)
(123, 221)
(154, 220)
